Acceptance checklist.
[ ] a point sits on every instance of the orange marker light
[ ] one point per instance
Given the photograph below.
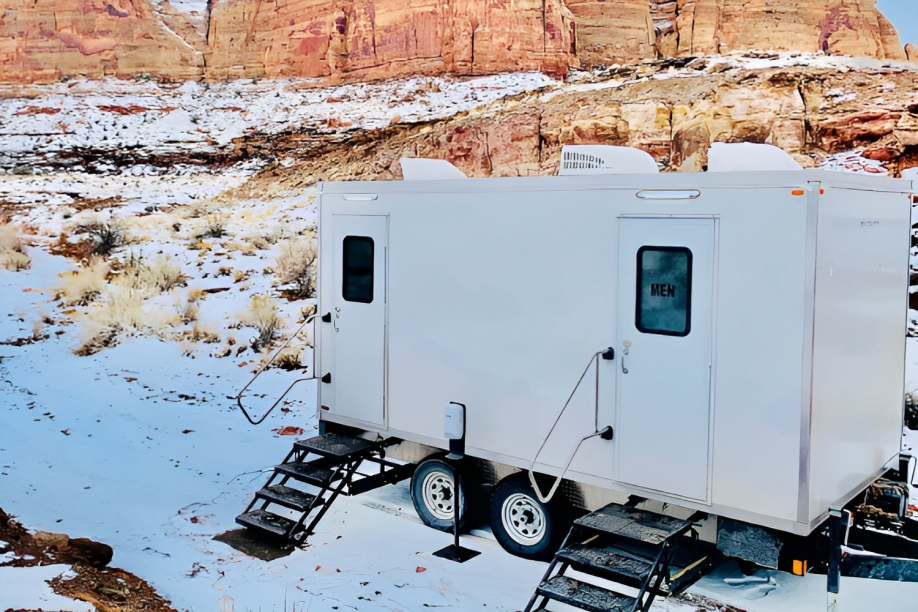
(822, 192)
(798, 192)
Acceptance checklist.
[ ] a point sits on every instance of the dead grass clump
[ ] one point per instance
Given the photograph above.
(12, 255)
(295, 266)
(105, 234)
(262, 315)
(83, 286)
(158, 276)
(205, 332)
(195, 294)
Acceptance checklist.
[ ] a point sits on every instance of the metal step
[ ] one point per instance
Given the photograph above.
(287, 497)
(567, 590)
(266, 521)
(634, 524)
(334, 445)
(318, 473)
(607, 563)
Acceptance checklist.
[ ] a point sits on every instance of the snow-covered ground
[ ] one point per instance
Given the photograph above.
(139, 445)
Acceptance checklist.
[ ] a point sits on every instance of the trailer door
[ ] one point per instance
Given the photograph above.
(359, 318)
(665, 288)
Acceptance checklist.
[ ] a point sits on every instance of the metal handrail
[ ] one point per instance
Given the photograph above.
(264, 367)
(597, 432)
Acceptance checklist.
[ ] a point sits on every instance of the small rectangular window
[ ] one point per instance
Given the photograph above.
(664, 291)
(358, 269)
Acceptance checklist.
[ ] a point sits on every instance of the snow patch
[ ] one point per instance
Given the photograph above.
(27, 588)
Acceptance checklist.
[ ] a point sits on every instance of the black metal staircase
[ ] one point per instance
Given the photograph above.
(624, 547)
(313, 474)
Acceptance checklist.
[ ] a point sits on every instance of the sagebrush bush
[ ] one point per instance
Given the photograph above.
(263, 316)
(295, 265)
(213, 226)
(106, 234)
(12, 255)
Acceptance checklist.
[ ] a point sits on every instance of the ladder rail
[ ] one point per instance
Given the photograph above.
(264, 367)
(598, 432)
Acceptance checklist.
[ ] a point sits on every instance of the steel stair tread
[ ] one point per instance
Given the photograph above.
(572, 592)
(318, 473)
(608, 563)
(634, 524)
(266, 521)
(334, 445)
(287, 497)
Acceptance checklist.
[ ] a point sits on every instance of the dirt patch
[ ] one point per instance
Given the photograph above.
(109, 589)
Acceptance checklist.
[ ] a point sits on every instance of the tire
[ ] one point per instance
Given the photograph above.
(432, 493)
(524, 526)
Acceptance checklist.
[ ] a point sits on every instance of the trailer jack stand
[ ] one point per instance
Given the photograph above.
(455, 552)
(833, 576)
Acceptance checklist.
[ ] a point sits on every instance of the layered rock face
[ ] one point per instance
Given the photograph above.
(376, 39)
(44, 40)
(693, 27)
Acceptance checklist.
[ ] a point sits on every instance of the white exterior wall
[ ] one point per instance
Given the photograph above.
(500, 291)
(860, 330)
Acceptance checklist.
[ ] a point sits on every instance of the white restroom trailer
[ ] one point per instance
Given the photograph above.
(757, 321)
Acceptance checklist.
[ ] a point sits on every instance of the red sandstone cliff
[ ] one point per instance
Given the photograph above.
(43, 40)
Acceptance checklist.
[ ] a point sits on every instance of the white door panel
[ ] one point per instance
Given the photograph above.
(359, 317)
(665, 289)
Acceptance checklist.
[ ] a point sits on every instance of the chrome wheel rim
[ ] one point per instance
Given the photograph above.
(524, 521)
(439, 495)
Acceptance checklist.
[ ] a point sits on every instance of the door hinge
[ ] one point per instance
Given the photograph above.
(609, 355)
(326, 318)
(327, 378)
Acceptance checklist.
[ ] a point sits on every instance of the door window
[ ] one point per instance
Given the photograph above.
(664, 291)
(358, 269)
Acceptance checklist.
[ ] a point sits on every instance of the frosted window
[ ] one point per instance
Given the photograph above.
(358, 269)
(664, 291)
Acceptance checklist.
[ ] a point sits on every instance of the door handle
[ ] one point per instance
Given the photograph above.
(624, 369)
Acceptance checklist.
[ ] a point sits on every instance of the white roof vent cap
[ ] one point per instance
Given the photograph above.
(605, 159)
(414, 169)
(748, 157)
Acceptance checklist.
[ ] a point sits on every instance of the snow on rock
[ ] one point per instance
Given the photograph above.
(26, 588)
(149, 118)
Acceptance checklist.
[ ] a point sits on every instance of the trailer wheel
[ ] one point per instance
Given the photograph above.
(433, 493)
(523, 525)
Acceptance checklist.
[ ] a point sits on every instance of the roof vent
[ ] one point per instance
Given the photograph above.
(414, 169)
(748, 157)
(605, 159)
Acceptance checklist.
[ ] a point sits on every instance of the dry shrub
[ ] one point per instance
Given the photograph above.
(295, 266)
(289, 359)
(12, 256)
(82, 286)
(213, 226)
(106, 234)
(158, 276)
(262, 315)
(120, 310)
(239, 276)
